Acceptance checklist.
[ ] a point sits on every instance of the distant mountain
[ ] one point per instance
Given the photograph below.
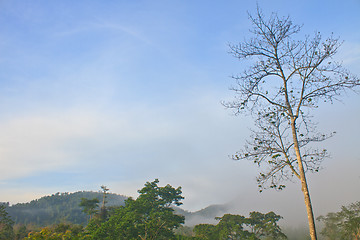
(59, 207)
(64, 207)
(205, 215)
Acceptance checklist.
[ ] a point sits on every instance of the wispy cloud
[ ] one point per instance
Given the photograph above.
(349, 54)
(36, 143)
(102, 25)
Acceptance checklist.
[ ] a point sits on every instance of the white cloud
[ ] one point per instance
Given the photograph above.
(36, 143)
(124, 146)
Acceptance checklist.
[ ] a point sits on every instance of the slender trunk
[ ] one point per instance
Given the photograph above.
(304, 186)
(103, 201)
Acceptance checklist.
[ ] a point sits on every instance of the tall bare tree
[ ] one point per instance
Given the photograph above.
(286, 80)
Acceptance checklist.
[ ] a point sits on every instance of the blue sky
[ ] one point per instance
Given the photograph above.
(122, 92)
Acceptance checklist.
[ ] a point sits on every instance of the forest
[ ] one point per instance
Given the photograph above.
(154, 214)
(124, 96)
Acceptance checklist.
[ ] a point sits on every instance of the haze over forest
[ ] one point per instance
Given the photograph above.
(121, 93)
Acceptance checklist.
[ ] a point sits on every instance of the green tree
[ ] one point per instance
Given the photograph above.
(60, 231)
(232, 227)
(150, 216)
(206, 231)
(59, 207)
(89, 206)
(6, 224)
(286, 80)
(256, 226)
(20, 231)
(344, 224)
(184, 232)
(265, 226)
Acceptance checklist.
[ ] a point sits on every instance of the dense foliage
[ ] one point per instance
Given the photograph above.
(60, 231)
(90, 206)
(256, 226)
(150, 216)
(155, 215)
(344, 224)
(58, 208)
(6, 224)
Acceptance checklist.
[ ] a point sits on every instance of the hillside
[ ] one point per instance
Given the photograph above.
(59, 207)
(64, 207)
(205, 215)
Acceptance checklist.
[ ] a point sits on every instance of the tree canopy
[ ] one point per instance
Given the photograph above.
(6, 223)
(256, 226)
(60, 231)
(150, 216)
(344, 224)
(90, 206)
(58, 207)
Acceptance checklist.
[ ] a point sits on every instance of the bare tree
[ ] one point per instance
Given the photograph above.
(287, 79)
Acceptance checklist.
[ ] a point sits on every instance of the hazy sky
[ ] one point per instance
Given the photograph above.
(118, 93)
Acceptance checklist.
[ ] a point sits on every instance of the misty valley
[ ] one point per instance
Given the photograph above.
(155, 214)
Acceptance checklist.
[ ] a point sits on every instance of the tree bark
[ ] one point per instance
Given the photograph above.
(304, 186)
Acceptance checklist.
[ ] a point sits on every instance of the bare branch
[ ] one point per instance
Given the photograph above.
(287, 79)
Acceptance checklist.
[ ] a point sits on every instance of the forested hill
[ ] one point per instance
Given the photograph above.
(205, 215)
(59, 207)
(64, 207)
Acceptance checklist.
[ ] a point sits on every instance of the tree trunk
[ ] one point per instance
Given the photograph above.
(304, 186)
